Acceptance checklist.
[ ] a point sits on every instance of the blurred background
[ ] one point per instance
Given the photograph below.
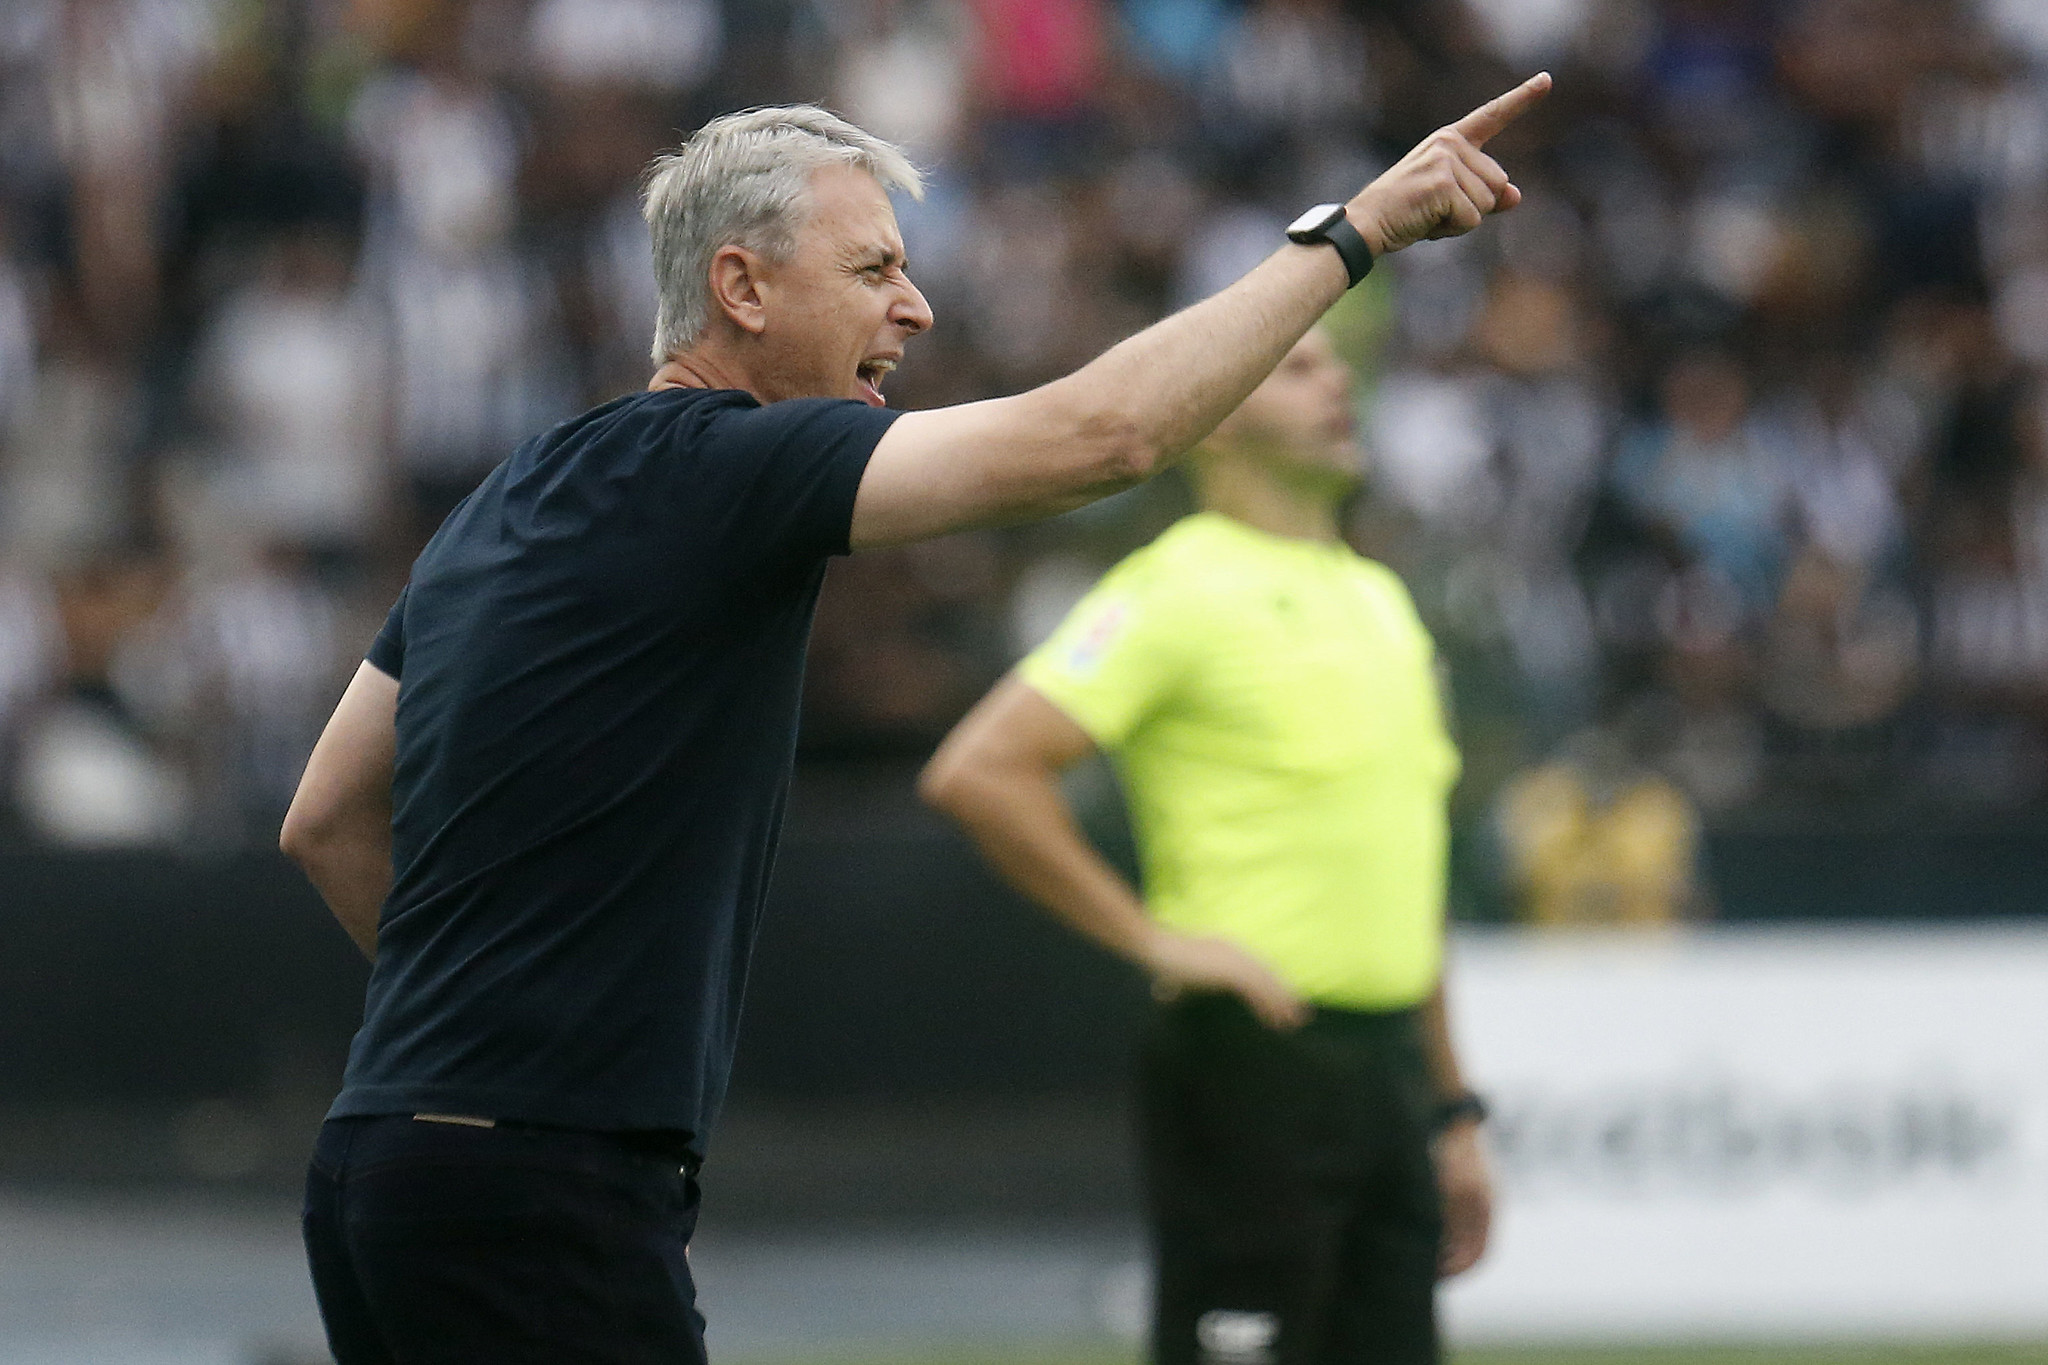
(1719, 470)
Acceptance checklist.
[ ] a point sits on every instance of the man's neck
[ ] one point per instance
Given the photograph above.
(703, 367)
(1246, 492)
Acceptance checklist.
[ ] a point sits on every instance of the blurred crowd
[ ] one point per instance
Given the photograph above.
(1720, 469)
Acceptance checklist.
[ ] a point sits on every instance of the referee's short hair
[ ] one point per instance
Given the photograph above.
(740, 180)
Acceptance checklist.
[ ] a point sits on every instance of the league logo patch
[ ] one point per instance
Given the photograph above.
(1087, 652)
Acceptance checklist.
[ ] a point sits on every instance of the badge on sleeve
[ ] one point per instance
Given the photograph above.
(1087, 654)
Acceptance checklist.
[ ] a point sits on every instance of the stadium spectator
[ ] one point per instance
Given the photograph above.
(89, 769)
(255, 643)
(1706, 477)
(475, 361)
(1596, 838)
(905, 70)
(291, 374)
(1038, 82)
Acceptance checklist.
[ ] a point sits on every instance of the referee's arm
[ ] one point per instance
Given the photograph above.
(998, 774)
(1145, 402)
(1462, 1175)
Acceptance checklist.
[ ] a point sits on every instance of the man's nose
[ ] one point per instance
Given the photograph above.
(910, 311)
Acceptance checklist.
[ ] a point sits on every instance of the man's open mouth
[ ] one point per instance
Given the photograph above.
(870, 374)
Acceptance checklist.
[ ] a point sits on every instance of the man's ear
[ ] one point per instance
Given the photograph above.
(736, 287)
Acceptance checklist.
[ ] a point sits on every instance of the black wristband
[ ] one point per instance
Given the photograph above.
(1328, 224)
(1459, 1109)
(1350, 244)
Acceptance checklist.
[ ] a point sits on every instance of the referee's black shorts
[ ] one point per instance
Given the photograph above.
(1293, 1204)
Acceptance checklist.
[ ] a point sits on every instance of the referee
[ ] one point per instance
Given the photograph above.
(547, 803)
(1271, 702)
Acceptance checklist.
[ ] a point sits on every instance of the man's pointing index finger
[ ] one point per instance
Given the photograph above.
(1498, 112)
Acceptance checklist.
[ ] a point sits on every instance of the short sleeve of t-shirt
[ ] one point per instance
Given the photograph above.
(387, 651)
(1114, 659)
(799, 465)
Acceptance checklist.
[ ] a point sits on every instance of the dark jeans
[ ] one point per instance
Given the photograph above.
(435, 1243)
(1293, 1203)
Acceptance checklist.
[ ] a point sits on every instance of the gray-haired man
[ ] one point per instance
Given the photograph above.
(547, 803)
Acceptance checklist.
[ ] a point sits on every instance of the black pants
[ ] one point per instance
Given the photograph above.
(435, 1243)
(1293, 1204)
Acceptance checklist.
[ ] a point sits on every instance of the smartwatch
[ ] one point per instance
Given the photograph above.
(1327, 223)
(1460, 1108)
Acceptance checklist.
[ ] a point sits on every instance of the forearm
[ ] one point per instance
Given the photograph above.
(1021, 822)
(1113, 423)
(1446, 1079)
(1457, 1151)
(1167, 387)
(352, 873)
(339, 826)
(998, 774)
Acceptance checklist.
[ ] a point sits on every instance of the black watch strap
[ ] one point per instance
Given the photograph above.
(1461, 1108)
(1350, 244)
(1328, 224)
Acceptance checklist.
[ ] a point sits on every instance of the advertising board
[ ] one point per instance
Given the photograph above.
(1728, 1134)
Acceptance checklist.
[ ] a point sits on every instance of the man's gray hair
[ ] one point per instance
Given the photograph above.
(741, 180)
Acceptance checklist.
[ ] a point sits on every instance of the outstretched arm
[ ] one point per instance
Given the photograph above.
(1145, 402)
(339, 826)
(998, 774)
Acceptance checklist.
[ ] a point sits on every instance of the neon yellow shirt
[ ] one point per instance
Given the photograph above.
(1271, 706)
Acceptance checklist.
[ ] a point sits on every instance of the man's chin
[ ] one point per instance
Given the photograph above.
(1343, 483)
(1342, 464)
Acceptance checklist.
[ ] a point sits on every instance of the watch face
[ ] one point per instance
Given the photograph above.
(1315, 220)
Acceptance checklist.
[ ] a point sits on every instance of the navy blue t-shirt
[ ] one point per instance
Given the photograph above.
(599, 658)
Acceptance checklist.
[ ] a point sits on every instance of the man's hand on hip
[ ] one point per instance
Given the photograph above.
(1188, 962)
(1446, 185)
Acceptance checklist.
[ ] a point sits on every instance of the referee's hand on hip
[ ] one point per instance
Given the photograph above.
(1201, 962)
